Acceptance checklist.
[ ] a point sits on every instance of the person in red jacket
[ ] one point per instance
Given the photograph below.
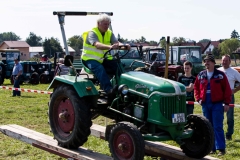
(213, 92)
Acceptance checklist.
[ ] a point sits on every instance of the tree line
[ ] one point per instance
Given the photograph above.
(52, 45)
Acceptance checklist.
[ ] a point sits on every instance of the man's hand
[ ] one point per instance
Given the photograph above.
(115, 46)
(16, 77)
(226, 108)
(128, 46)
(200, 102)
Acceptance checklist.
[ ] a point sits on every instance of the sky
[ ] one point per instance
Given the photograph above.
(152, 19)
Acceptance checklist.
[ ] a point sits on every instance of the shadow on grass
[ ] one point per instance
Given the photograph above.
(237, 140)
(24, 96)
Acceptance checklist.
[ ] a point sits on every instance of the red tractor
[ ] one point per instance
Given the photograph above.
(155, 63)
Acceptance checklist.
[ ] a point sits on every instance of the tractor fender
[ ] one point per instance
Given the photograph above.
(83, 87)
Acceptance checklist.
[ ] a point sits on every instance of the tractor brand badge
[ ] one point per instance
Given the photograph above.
(151, 89)
(137, 86)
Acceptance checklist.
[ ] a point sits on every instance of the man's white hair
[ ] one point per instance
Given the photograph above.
(61, 60)
(103, 17)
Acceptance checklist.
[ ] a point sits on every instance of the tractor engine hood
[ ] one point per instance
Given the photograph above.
(145, 84)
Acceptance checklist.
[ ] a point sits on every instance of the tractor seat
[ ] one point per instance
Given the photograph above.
(86, 69)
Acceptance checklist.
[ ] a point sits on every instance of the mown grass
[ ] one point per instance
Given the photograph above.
(30, 111)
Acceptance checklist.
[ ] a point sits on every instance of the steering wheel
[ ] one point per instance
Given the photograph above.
(120, 47)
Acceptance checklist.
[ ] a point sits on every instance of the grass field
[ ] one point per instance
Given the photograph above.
(30, 111)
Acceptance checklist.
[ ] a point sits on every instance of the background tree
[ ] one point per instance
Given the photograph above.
(141, 40)
(178, 40)
(234, 34)
(51, 46)
(76, 42)
(216, 52)
(152, 42)
(121, 39)
(204, 40)
(34, 40)
(8, 36)
(163, 42)
(228, 46)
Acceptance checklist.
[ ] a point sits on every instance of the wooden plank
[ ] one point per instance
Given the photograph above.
(47, 143)
(153, 148)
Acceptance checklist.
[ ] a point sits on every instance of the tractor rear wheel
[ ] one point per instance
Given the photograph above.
(69, 117)
(202, 140)
(44, 78)
(1, 79)
(126, 142)
(34, 79)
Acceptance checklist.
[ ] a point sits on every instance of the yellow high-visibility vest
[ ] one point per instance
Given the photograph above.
(90, 52)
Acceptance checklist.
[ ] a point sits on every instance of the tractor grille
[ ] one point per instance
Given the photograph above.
(170, 105)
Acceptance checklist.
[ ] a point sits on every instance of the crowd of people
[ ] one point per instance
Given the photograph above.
(214, 90)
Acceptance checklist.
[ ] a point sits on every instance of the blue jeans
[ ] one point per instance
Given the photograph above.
(214, 112)
(230, 118)
(16, 84)
(101, 71)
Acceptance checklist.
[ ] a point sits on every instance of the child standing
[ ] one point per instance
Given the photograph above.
(188, 80)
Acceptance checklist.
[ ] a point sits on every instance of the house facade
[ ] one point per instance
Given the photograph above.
(35, 51)
(206, 47)
(21, 45)
(211, 46)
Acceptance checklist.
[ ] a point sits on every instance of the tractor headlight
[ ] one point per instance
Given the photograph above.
(123, 89)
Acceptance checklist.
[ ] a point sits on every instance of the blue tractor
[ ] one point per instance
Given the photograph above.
(30, 68)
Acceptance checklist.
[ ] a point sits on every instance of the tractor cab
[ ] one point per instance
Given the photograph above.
(181, 54)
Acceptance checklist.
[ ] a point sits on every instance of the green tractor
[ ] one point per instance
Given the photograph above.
(145, 107)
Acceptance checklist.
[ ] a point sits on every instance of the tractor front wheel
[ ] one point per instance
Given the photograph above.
(69, 117)
(126, 142)
(202, 140)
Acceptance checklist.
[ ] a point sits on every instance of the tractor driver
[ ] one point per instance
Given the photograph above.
(95, 43)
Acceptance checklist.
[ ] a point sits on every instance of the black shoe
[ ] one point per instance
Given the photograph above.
(212, 152)
(221, 152)
(229, 138)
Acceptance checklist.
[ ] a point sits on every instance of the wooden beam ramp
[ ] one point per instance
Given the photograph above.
(47, 143)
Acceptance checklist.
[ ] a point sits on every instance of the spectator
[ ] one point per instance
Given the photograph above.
(212, 90)
(232, 76)
(61, 68)
(16, 76)
(188, 80)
